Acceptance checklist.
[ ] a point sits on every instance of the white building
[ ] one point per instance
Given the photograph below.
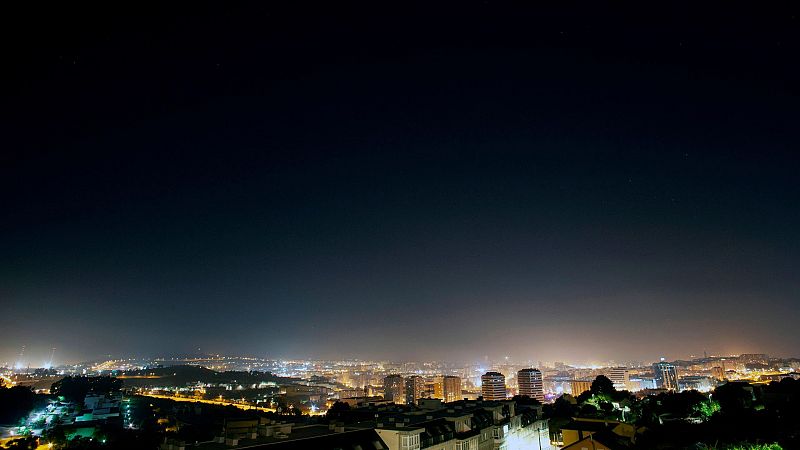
(621, 378)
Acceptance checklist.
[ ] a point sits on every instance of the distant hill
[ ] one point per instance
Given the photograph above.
(183, 375)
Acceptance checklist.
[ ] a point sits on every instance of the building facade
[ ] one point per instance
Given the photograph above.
(529, 382)
(452, 389)
(578, 387)
(493, 386)
(416, 389)
(620, 376)
(666, 375)
(461, 425)
(394, 389)
(434, 387)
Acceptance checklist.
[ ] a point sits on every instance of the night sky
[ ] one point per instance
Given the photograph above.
(573, 183)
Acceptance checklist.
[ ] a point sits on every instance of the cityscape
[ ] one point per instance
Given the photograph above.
(472, 225)
(217, 401)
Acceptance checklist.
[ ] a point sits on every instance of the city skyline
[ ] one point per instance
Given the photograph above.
(538, 182)
(27, 362)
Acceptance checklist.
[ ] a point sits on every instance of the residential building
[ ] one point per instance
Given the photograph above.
(460, 425)
(394, 389)
(320, 437)
(601, 440)
(753, 358)
(435, 387)
(529, 382)
(493, 386)
(618, 434)
(415, 389)
(452, 389)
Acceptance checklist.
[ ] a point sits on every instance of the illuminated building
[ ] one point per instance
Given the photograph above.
(434, 387)
(718, 373)
(415, 389)
(529, 382)
(620, 376)
(643, 382)
(464, 425)
(394, 389)
(578, 387)
(452, 389)
(696, 383)
(753, 358)
(666, 375)
(493, 386)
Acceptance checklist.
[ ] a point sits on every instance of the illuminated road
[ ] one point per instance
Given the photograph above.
(211, 402)
(223, 403)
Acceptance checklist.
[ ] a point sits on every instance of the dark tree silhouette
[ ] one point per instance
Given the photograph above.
(15, 403)
(602, 385)
(526, 400)
(26, 443)
(340, 406)
(734, 397)
(75, 388)
(562, 408)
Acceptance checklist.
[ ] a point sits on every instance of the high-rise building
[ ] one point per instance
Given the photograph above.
(493, 386)
(529, 382)
(435, 387)
(452, 389)
(415, 389)
(666, 375)
(718, 373)
(394, 389)
(620, 376)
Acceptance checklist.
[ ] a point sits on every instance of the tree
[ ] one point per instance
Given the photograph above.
(57, 436)
(588, 409)
(526, 400)
(15, 403)
(83, 443)
(340, 406)
(706, 409)
(602, 385)
(337, 408)
(584, 397)
(562, 408)
(26, 443)
(75, 388)
(734, 397)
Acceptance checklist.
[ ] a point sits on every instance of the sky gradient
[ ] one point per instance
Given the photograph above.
(576, 185)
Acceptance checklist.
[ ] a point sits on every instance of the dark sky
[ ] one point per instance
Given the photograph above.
(570, 183)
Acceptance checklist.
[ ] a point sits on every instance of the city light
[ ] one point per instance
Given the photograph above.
(482, 225)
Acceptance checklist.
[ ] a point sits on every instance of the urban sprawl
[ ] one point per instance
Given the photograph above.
(224, 402)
